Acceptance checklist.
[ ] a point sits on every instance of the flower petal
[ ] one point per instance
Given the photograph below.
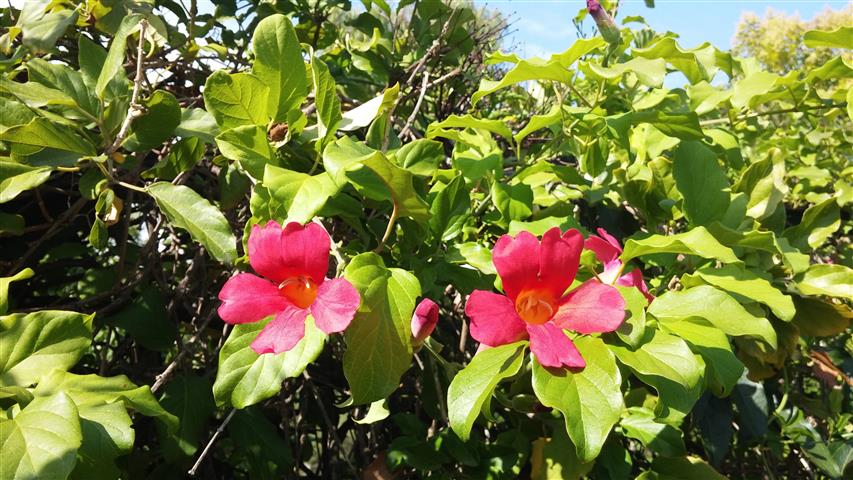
(559, 257)
(591, 308)
(249, 298)
(424, 320)
(605, 247)
(306, 250)
(265, 251)
(283, 332)
(335, 305)
(493, 319)
(553, 348)
(517, 262)
(635, 279)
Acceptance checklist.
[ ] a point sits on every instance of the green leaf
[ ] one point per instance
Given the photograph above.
(420, 157)
(4, 287)
(661, 438)
(467, 121)
(236, 99)
(114, 63)
(697, 241)
(590, 399)
(302, 195)
(326, 99)
(182, 157)
(16, 178)
(188, 210)
(260, 442)
(689, 62)
(107, 434)
(817, 318)
(162, 116)
(197, 122)
(556, 458)
(633, 329)
(379, 348)
(70, 82)
(450, 209)
(279, 65)
(473, 254)
(701, 181)
(649, 72)
(819, 222)
(11, 224)
(41, 26)
(32, 345)
(715, 306)
(514, 202)
(381, 179)
(364, 114)
(722, 367)
(827, 279)
(472, 387)
(841, 37)
(739, 281)
(42, 133)
(189, 398)
(764, 182)
(693, 468)
(42, 440)
(666, 363)
(245, 378)
(676, 125)
(94, 391)
(248, 145)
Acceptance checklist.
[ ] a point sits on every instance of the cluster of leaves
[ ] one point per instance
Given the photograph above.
(141, 140)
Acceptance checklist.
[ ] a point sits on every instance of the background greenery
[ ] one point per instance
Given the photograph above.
(140, 140)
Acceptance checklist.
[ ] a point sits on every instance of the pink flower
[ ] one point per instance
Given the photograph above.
(535, 277)
(293, 262)
(424, 320)
(607, 250)
(608, 28)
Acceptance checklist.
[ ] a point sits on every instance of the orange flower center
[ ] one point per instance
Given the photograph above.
(301, 291)
(535, 307)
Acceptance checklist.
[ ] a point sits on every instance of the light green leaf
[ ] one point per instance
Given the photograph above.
(42, 133)
(693, 468)
(420, 157)
(827, 279)
(697, 241)
(302, 195)
(693, 63)
(245, 378)
(841, 37)
(236, 99)
(34, 344)
(362, 115)
(16, 178)
(279, 64)
(722, 367)
(190, 211)
(162, 116)
(819, 222)
(666, 363)
(450, 209)
(472, 387)
(715, 306)
(473, 254)
(114, 63)
(326, 99)
(739, 281)
(41, 26)
(676, 125)
(817, 318)
(197, 122)
(701, 181)
(590, 399)
(42, 440)
(379, 348)
(659, 437)
(467, 121)
(649, 72)
(514, 202)
(4, 287)
(107, 434)
(764, 182)
(378, 411)
(346, 159)
(633, 329)
(63, 78)
(248, 145)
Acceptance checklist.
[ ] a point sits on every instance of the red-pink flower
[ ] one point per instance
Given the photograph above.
(293, 262)
(607, 250)
(535, 278)
(423, 321)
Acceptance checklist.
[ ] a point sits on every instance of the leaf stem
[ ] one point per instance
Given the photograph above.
(388, 230)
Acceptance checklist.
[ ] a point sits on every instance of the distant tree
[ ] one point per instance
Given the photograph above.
(776, 40)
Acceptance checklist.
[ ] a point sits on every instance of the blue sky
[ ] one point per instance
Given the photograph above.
(545, 26)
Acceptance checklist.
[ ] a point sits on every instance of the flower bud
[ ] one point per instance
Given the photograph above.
(424, 320)
(606, 25)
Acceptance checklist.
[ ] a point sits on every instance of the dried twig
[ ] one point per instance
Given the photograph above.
(210, 443)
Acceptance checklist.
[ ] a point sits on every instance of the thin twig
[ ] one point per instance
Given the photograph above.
(328, 420)
(167, 373)
(415, 110)
(715, 121)
(134, 109)
(210, 443)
